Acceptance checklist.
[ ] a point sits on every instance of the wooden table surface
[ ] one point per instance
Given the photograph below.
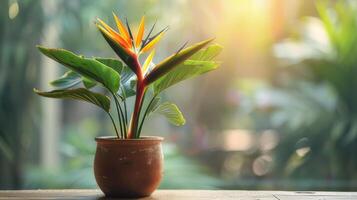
(181, 194)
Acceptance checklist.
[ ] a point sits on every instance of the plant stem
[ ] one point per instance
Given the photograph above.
(122, 116)
(134, 122)
(137, 134)
(115, 127)
(118, 112)
(125, 112)
(140, 90)
(125, 107)
(145, 114)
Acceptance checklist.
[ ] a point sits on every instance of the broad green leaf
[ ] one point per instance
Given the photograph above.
(198, 64)
(125, 72)
(88, 83)
(81, 94)
(171, 112)
(125, 75)
(173, 61)
(88, 68)
(68, 80)
(112, 63)
(129, 88)
(154, 105)
(188, 69)
(208, 53)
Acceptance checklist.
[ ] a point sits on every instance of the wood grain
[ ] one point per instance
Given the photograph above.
(180, 195)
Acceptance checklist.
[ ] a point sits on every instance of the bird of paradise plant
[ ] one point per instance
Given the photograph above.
(128, 77)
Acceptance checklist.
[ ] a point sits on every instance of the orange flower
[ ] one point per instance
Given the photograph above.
(124, 38)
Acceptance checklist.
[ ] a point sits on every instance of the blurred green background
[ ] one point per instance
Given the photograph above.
(280, 113)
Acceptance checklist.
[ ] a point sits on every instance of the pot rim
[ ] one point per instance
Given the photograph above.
(114, 139)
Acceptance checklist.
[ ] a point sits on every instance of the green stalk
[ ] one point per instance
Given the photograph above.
(140, 90)
(125, 107)
(137, 134)
(125, 112)
(119, 117)
(123, 99)
(145, 114)
(125, 120)
(115, 127)
(122, 117)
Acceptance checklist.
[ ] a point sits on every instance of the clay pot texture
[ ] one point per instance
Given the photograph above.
(129, 168)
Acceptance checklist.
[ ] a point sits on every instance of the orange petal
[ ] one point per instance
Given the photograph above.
(122, 29)
(151, 44)
(106, 26)
(148, 61)
(113, 34)
(103, 30)
(121, 40)
(139, 37)
(118, 40)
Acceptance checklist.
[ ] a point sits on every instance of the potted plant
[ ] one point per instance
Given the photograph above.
(128, 164)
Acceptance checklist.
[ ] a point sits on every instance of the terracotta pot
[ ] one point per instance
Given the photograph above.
(130, 168)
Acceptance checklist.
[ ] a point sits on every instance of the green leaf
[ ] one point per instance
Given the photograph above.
(154, 105)
(68, 80)
(125, 72)
(208, 53)
(173, 61)
(125, 75)
(129, 88)
(88, 68)
(113, 63)
(187, 70)
(171, 112)
(81, 94)
(198, 64)
(71, 79)
(88, 83)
